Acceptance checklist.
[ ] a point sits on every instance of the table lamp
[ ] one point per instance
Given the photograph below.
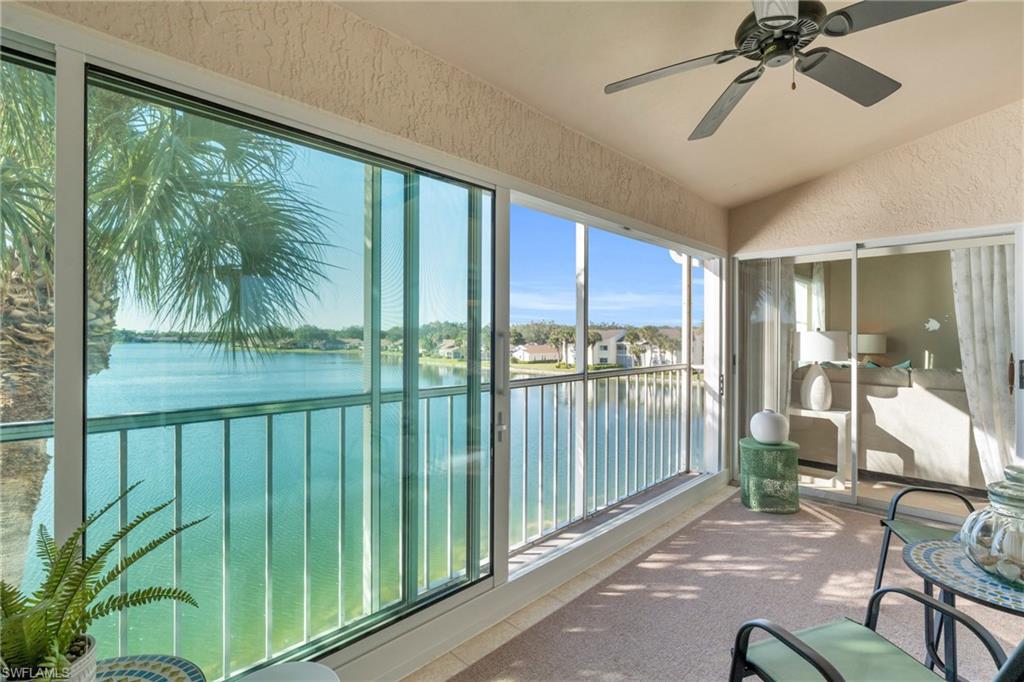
(870, 344)
(817, 347)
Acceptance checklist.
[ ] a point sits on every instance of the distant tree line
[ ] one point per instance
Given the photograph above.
(431, 336)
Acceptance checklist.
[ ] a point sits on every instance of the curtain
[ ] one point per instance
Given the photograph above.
(818, 297)
(767, 326)
(983, 301)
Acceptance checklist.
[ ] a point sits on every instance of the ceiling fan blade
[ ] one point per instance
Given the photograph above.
(871, 13)
(706, 60)
(847, 76)
(726, 103)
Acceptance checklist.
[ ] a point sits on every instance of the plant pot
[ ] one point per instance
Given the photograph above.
(83, 668)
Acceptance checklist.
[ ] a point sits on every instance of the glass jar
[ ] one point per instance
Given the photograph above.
(993, 537)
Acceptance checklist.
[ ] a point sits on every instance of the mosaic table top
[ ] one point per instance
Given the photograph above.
(943, 563)
(148, 668)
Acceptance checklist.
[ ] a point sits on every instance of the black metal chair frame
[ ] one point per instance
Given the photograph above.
(891, 516)
(741, 668)
(932, 622)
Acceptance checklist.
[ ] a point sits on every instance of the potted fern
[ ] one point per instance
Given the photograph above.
(44, 634)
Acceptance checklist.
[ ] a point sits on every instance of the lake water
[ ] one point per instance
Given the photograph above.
(159, 377)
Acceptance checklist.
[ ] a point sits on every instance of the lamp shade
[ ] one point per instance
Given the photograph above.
(823, 346)
(871, 344)
(776, 14)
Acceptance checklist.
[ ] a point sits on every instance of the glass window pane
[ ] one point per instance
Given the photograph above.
(26, 312)
(542, 293)
(246, 308)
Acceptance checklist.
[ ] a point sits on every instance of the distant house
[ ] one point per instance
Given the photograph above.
(651, 357)
(610, 350)
(449, 348)
(535, 352)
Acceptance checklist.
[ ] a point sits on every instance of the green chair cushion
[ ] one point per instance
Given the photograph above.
(857, 653)
(915, 531)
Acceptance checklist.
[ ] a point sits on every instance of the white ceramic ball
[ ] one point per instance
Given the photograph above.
(769, 427)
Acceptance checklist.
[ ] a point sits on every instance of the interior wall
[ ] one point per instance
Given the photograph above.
(968, 175)
(324, 55)
(907, 297)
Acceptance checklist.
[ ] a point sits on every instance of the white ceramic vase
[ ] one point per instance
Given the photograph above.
(816, 390)
(769, 427)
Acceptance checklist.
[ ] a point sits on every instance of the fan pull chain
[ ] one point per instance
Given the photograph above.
(793, 71)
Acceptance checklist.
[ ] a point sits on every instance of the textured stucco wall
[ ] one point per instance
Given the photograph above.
(968, 175)
(323, 55)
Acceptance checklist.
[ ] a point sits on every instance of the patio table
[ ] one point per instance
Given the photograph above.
(148, 668)
(943, 563)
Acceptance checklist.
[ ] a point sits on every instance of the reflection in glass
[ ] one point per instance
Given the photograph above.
(255, 307)
(27, 130)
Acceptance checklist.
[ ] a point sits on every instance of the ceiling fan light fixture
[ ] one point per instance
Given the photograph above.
(776, 14)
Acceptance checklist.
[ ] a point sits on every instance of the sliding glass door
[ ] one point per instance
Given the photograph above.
(288, 338)
(793, 332)
(915, 346)
(935, 342)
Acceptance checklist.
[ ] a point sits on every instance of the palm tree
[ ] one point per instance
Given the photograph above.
(192, 218)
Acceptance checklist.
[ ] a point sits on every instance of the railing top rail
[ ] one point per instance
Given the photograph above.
(41, 430)
(593, 374)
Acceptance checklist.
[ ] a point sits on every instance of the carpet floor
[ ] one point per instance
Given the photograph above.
(672, 613)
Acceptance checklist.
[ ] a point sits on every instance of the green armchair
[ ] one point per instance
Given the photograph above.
(846, 651)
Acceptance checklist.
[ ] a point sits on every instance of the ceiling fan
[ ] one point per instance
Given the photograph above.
(776, 33)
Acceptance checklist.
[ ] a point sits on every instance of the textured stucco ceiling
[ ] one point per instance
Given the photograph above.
(954, 63)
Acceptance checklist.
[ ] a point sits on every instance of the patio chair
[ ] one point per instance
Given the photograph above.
(846, 651)
(913, 531)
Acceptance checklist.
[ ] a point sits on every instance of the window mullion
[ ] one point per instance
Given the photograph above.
(411, 400)
(69, 308)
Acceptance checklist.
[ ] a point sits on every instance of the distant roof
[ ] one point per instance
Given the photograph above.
(608, 334)
(672, 332)
(448, 343)
(539, 348)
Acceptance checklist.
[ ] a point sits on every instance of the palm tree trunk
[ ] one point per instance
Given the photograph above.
(26, 380)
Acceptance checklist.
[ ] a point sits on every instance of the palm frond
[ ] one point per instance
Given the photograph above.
(46, 549)
(12, 602)
(125, 563)
(70, 550)
(140, 597)
(24, 638)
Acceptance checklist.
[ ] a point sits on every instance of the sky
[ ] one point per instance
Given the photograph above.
(631, 282)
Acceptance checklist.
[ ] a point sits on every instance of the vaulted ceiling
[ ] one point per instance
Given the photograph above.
(954, 63)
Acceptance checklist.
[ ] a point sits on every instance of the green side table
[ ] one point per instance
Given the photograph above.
(768, 476)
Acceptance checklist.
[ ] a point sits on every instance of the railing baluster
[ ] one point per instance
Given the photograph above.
(177, 538)
(592, 395)
(225, 585)
(636, 431)
(541, 469)
(526, 464)
(451, 486)
(607, 449)
(571, 454)
(426, 494)
(556, 460)
(341, 515)
(268, 539)
(122, 545)
(307, 526)
(618, 456)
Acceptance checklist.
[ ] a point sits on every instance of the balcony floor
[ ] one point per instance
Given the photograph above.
(523, 558)
(670, 612)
